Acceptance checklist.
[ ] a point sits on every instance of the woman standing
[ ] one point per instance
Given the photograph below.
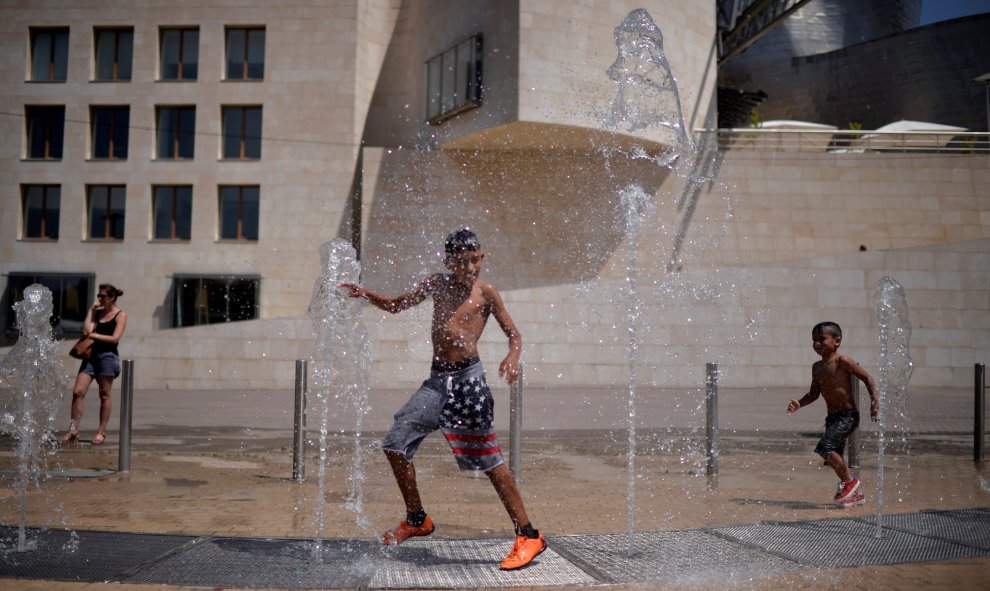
(105, 324)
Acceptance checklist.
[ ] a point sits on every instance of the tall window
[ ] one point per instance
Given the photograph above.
(114, 53)
(109, 134)
(213, 299)
(71, 295)
(242, 133)
(106, 212)
(176, 132)
(40, 205)
(239, 213)
(172, 213)
(45, 131)
(245, 53)
(453, 80)
(49, 54)
(179, 50)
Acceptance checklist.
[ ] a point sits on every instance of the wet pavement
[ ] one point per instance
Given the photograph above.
(211, 505)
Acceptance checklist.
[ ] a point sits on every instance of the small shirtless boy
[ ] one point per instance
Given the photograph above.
(832, 378)
(456, 398)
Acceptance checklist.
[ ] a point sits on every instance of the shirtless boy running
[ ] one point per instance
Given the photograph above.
(832, 378)
(455, 398)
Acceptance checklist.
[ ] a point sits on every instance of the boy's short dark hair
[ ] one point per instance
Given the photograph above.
(830, 327)
(461, 241)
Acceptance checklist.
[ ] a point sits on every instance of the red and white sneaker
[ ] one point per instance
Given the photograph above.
(857, 499)
(849, 488)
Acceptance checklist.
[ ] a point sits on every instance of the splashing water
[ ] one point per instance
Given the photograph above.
(341, 370)
(647, 96)
(33, 373)
(895, 373)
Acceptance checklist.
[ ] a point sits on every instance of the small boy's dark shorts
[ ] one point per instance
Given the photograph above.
(838, 426)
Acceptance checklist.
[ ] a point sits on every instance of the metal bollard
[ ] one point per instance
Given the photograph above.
(516, 425)
(299, 423)
(126, 400)
(852, 453)
(711, 422)
(979, 412)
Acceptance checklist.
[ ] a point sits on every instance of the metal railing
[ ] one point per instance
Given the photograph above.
(848, 141)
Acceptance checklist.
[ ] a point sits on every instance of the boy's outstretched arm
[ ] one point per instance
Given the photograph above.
(509, 368)
(392, 305)
(813, 393)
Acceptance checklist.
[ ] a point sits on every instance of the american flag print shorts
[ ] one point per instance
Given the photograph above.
(461, 406)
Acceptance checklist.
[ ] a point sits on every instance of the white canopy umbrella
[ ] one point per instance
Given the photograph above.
(909, 134)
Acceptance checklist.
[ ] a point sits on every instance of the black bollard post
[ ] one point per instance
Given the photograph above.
(711, 422)
(126, 400)
(979, 412)
(852, 453)
(516, 425)
(299, 423)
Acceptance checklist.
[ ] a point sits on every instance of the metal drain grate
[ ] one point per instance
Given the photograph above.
(264, 563)
(458, 564)
(667, 555)
(99, 556)
(964, 526)
(844, 542)
(435, 564)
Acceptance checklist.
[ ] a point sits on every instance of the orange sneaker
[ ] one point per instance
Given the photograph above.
(404, 531)
(523, 552)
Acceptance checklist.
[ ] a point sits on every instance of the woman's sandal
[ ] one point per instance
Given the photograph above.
(99, 438)
(69, 438)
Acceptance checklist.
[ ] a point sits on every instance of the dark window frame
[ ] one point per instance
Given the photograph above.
(113, 229)
(54, 59)
(157, 193)
(206, 310)
(52, 142)
(116, 75)
(245, 142)
(449, 91)
(183, 60)
(62, 325)
(45, 233)
(242, 54)
(112, 147)
(239, 230)
(175, 151)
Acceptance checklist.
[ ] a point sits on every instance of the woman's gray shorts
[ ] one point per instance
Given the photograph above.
(458, 403)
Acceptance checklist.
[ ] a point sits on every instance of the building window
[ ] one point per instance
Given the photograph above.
(241, 133)
(214, 299)
(453, 81)
(245, 53)
(114, 53)
(109, 138)
(239, 213)
(176, 132)
(106, 212)
(45, 132)
(71, 295)
(40, 206)
(173, 212)
(179, 49)
(49, 54)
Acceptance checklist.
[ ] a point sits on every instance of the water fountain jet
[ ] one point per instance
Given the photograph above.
(32, 370)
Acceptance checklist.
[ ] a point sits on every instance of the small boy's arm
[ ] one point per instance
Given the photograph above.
(871, 386)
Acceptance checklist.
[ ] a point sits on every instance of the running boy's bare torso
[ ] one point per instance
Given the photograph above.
(833, 379)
